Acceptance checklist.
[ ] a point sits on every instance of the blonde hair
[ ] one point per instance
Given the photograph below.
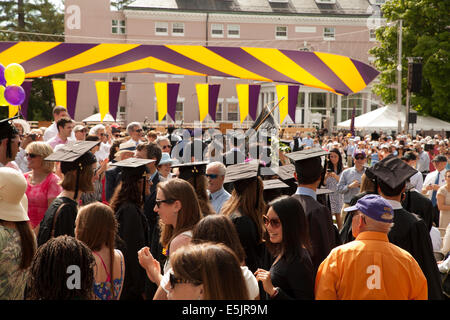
(43, 150)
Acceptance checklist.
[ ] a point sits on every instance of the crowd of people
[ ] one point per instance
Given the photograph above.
(196, 215)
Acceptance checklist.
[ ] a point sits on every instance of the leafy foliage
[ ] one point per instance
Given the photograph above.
(426, 34)
(23, 20)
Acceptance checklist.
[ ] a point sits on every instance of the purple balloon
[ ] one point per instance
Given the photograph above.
(15, 95)
(2, 75)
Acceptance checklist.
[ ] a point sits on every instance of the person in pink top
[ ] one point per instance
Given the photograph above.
(65, 127)
(43, 185)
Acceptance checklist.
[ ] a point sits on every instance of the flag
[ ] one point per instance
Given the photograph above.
(66, 93)
(108, 97)
(26, 85)
(265, 120)
(289, 103)
(352, 123)
(248, 99)
(166, 99)
(207, 95)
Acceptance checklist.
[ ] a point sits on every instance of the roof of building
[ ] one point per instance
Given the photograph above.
(340, 7)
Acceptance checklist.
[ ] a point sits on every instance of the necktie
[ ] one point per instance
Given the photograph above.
(433, 195)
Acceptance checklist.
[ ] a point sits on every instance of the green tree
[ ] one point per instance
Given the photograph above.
(25, 20)
(426, 34)
(120, 4)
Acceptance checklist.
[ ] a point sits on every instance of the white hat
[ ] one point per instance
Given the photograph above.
(13, 201)
(128, 145)
(165, 158)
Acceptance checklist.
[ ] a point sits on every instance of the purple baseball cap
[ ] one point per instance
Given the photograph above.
(359, 152)
(375, 207)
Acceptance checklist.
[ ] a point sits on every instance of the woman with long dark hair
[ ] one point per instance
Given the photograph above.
(334, 168)
(17, 240)
(245, 208)
(291, 275)
(127, 203)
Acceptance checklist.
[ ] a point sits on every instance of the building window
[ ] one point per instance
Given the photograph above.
(348, 102)
(372, 35)
(234, 31)
(219, 111)
(121, 115)
(280, 32)
(161, 28)
(329, 33)
(118, 27)
(179, 111)
(178, 29)
(217, 30)
(233, 111)
(121, 79)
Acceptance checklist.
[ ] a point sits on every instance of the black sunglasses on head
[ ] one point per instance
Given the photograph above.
(173, 280)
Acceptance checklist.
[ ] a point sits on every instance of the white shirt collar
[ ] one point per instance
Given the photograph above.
(395, 204)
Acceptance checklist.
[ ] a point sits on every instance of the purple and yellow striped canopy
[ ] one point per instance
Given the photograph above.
(331, 72)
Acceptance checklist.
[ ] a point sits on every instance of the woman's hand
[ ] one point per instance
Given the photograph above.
(150, 264)
(264, 276)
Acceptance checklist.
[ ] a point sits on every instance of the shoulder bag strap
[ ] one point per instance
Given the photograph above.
(52, 233)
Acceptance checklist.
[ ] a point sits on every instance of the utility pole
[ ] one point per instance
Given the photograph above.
(399, 74)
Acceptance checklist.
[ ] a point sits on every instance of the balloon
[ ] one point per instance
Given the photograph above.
(15, 95)
(14, 74)
(2, 76)
(3, 101)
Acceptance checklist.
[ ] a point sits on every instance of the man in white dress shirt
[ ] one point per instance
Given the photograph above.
(433, 181)
(52, 131)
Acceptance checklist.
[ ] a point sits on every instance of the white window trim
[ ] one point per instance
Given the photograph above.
(370, 38)
(176, 34)
(160, 25)
(234, 35)
(328, 37)
(217, 35)
(281, 37)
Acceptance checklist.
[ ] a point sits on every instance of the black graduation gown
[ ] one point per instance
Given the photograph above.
(417, 203)
(248, 235)
(133, 231)
(64, 223)
(294, 278)
(411, 234)
(321, 229)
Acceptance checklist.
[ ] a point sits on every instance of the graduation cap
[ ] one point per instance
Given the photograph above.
(286, 172)
(241, 171)
(74, 156)
(392, 171)
(273, 188)
(135, 168)
(308, 164)
(8, 131)
(191, 169)
(274, 184)
(320, 191)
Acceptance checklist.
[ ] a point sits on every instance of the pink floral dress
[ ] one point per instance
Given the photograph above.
(38, 196)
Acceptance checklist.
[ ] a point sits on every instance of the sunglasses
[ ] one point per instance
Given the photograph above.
(31, 155)
(166, 147)
(173, 280)
(212, 176)
(117, 135)
(138, 130)
(274, 223)
(158, 202)
(359, 157)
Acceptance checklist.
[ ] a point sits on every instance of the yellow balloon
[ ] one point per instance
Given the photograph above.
(14, 74)
(3, 101)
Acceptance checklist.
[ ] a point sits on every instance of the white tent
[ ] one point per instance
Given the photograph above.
(97, 118)
(386, 118)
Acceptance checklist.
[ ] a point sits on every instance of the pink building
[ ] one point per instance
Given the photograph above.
(342, 27)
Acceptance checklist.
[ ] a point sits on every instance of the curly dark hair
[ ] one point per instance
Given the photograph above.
(49, 270)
